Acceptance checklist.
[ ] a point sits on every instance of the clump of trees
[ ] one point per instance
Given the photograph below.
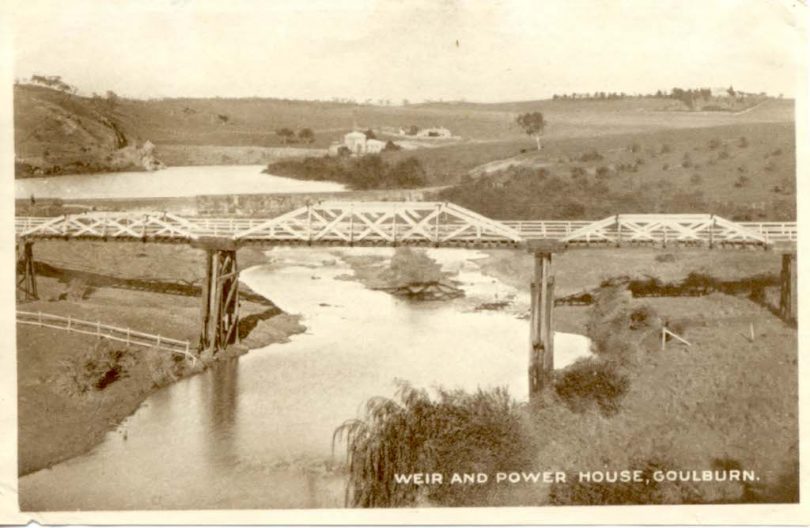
(288, 135)
(53, 81)
(367, 172)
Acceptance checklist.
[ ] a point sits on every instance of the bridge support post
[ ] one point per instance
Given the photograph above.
(788, 299)
(541, 350)
(219, 312)
(27, 278)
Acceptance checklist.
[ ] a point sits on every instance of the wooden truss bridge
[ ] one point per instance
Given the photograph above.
(428, 224)
(407, 224)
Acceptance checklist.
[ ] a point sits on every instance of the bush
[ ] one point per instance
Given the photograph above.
(591, 155)
(686, 161)
(714, 144)
(665, 257)
(390, 146)
(742, 181)
(696, 179)
(743, 142)
(665, 148)
(94, 369)
(455, 432)
(590, 382)
(367, 172)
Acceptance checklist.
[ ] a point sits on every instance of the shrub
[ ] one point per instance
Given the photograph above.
(665, 257)
(602, 172)
(591, 155)
(456, 432)
(665, 148)
(714, 144)
(390, 146)
(590, 382)
(743, 142)
(696, 179)
(635, 147)
(742, 181)
(665, 166)
(723, 154)
(94, 368)
(777, 152)
(577, 172)
(686, 161)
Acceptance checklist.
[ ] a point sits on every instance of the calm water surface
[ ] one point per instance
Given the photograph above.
(256, 432)
(173, 181)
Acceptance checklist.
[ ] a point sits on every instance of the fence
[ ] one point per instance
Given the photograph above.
(123, 335)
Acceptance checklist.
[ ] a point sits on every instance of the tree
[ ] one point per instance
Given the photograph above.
(285, 134)
(533, 124)
(370, 134)
(306, 135)
(112, 99)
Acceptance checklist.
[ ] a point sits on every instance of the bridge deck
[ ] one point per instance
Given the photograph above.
(429, 224)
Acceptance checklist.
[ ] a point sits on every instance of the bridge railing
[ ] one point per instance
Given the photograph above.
(539, 229)
(363, 224)
(97, 329)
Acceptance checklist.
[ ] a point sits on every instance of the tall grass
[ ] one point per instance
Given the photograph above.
(455, 432)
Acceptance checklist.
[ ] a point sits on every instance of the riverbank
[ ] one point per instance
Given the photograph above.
(194, 155)
(92, 282)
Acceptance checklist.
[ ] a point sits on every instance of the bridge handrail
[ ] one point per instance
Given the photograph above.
(97, 329)
(289, 227)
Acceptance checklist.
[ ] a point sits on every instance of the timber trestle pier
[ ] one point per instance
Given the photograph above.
(392, 224)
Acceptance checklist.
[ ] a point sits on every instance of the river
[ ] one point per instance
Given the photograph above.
(256, 431)
(170, 182)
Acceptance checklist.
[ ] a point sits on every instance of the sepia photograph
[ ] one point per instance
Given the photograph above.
(403, 256)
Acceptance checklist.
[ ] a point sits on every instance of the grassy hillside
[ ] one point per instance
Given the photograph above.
(745, 171)
(599, 156)
(59, 133)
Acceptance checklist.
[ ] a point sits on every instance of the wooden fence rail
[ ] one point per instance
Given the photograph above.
(96, 328)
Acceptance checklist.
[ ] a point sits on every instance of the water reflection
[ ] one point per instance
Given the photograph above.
(219, 396)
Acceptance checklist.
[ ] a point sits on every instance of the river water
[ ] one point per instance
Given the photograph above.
(170, 182)
(256, 431)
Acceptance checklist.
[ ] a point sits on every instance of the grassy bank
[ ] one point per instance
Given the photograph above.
(74, 389)
(729, 402)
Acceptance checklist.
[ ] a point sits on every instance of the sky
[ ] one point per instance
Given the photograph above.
(480, 50)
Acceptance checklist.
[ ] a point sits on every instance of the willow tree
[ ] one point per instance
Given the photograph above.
(533, 123)
(455, 431)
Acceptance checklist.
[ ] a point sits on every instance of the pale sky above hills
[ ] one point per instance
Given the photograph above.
(439, 49)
